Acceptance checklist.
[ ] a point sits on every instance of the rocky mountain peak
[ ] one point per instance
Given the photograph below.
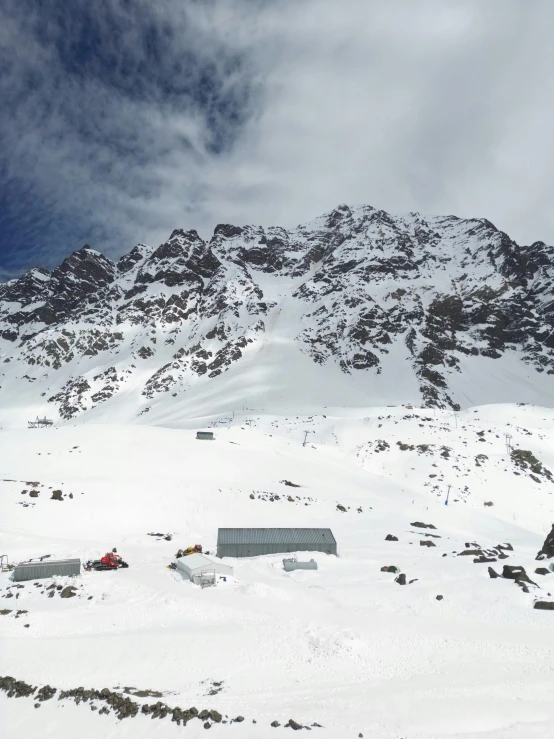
(130, 260)
(431, 301)
(228, 231)
(86, 268)
(28, 288)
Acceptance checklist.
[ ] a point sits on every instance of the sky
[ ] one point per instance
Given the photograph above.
(121, 120)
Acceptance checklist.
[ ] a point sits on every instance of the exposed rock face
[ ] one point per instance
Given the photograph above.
(527, 461)
(547, 550)
(544, 605)
(68, 592)
(430, 294)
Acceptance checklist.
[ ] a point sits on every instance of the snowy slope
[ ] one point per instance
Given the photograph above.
(412, 355)
(356, 308)
(345, 647)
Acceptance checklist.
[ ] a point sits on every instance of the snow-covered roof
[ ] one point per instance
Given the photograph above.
(196, 561)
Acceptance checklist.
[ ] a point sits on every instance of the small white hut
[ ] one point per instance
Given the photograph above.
(202, 570)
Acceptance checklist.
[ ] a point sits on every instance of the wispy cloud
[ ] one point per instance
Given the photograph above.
(122, 119)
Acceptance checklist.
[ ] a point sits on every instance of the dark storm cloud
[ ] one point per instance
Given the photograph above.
(104, 107)
(122, 119)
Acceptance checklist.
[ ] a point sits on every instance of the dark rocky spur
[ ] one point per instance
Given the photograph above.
(547, 549)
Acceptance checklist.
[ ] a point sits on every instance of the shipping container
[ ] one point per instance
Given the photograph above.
(47, 568)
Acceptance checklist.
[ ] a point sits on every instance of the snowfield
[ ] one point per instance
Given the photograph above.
(345, 646)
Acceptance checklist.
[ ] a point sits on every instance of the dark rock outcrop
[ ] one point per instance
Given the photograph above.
(547, 549)
(69, 592)
(544, 605)
(515, 573)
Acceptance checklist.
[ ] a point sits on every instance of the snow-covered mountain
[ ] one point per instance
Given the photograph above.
(358, 307)
(303, 349)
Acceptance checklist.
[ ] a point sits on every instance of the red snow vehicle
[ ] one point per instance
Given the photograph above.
(110, 561)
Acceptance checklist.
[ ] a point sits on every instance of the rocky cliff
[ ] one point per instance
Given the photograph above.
(431, 303)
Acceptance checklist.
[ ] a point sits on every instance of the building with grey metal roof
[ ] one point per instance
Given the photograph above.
(256, 542)
(45, 569)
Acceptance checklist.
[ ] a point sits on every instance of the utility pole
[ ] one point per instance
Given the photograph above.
(305, 437)
(447, 495)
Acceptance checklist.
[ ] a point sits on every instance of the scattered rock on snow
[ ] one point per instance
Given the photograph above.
(391, 537)
(483, 559)
(401, 579)
(471, 553)
(515, 573)
(69, 592)
(420, 525)
(544, 605)
(46, 693)
(427, 543)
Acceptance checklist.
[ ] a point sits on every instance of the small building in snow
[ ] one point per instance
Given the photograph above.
(293, 564)
(42, 570)
(205, 435)
(199, 568)
(256, 542)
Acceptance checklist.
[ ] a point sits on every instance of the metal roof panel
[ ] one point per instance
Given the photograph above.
(275, 536)
(50, 563)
